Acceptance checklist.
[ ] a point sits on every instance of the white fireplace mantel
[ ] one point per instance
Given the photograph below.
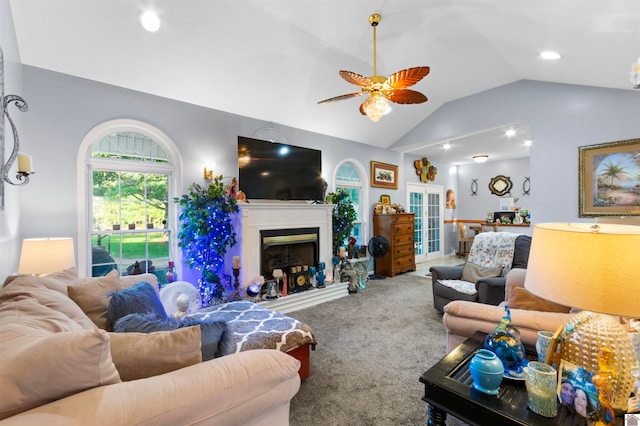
(258, 216)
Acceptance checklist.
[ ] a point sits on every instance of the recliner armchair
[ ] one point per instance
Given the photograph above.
(489, 291)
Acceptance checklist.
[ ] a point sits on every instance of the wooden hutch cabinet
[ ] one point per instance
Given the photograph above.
(398, 229)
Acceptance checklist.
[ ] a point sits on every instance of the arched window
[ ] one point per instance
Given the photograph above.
(128, 178)
(351, 176)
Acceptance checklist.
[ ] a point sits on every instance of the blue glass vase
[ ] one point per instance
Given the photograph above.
(486, 371)
(509, 350)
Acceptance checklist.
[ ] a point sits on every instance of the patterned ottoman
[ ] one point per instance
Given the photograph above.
(249, 326)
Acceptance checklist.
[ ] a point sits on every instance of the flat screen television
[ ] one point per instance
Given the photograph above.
(277, 171)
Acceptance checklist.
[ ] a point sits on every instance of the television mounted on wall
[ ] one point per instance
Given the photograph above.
(277, 171)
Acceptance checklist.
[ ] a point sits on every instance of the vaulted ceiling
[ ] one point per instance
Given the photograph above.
(275, 59)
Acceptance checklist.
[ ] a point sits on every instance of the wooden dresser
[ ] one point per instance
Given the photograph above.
(398, 229)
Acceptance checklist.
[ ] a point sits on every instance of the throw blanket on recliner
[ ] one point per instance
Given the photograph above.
(490, 249)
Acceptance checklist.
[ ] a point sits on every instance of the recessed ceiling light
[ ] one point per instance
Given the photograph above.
(150, 21)
(480, 158)
(510, 132)
(550, 55)
(528, 142)
(446, 146)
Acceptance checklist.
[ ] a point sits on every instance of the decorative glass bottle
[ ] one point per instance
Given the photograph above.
(171, 275)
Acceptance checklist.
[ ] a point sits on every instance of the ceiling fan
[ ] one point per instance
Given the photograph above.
(381, 90)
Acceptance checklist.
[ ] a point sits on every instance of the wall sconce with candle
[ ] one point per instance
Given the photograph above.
(208, 171)
(24, 161)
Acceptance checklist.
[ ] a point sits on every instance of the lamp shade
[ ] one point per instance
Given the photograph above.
(586, 266)
(46, 255)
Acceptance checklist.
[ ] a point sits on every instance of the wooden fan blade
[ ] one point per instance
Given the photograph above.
(357, 79)
(341, 97)
(408, 77)
(405, 96)
(362, 109)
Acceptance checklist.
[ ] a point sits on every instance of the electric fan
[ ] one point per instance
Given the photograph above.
(378, 247)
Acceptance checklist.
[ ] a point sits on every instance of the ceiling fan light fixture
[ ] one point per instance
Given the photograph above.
(480, 158)
(383, 90)
(376, 106)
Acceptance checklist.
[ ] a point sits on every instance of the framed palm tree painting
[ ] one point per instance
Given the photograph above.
(609, 179)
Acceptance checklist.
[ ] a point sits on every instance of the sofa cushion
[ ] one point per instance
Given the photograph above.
(91, 295)
(521, 298)
(17, 290)
(211, 331)
(141, 355)
(472, 272)
(141, 298)
(58, 281)
(46, 356)
(130, 280)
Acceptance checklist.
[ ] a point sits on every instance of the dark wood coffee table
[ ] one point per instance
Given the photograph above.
(448, 390)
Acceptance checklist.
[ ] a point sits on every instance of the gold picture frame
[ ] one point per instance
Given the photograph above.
(385, 199)
(609, 179)
(384, 175)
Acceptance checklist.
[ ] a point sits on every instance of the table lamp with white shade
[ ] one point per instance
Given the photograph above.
(593, 267)
(41, 256)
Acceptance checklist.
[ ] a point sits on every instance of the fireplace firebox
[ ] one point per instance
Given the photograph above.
(291, 250)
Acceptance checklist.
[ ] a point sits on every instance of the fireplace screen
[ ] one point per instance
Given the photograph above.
(288, 248)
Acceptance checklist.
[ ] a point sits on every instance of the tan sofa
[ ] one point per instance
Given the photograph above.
(59, 368)
(462, 319)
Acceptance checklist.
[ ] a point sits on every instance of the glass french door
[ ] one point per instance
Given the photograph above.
(426, 201)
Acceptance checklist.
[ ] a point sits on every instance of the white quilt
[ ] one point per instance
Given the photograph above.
(460, 286)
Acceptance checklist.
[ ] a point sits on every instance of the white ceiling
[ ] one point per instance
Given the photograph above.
(275, 59)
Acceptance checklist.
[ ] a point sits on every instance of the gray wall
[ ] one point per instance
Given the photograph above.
(561, 118)
(470, 207)
(10, 219)
(64, 108)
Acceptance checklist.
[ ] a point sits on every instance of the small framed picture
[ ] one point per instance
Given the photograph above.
(384, 175)
(385, 199)
(577, 394)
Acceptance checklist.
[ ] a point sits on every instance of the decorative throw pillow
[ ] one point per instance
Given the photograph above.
(472, 272)
(58, 281)
(47, 356)
(141, 298)
(140, 355)
(47, 297)
(211, 331)
(521, 298)
(91, 295)
(130, 280)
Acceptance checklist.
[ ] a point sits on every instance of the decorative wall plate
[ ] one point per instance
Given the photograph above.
(474, 186)
(500, 185)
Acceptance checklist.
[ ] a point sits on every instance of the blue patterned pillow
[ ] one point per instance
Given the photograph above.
(211, 331)
(141, 298)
